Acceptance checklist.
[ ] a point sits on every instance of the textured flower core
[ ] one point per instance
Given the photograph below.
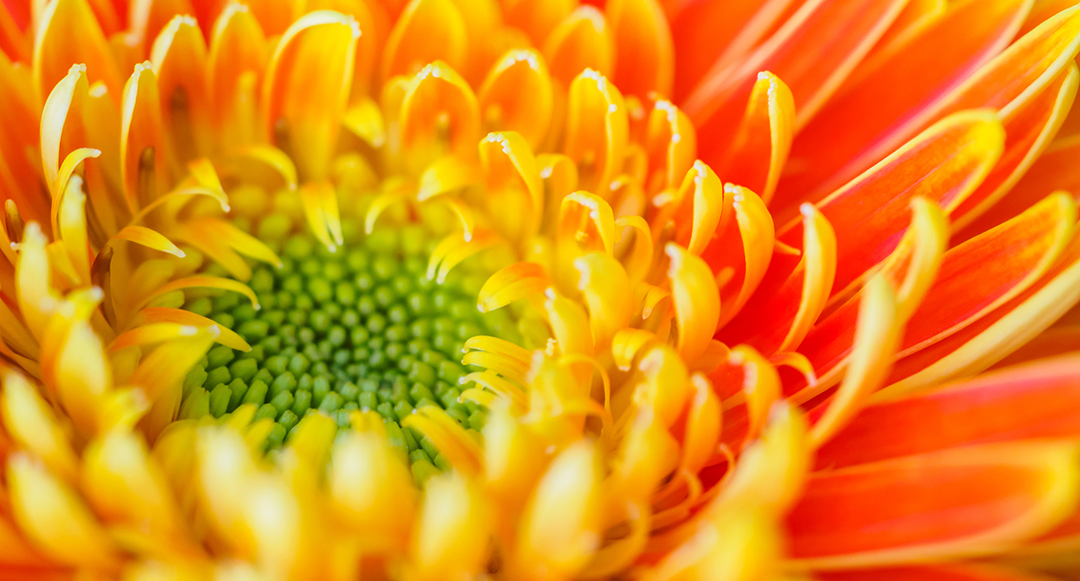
(361, 328)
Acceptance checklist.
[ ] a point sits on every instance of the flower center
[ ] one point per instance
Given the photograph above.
(362, 328)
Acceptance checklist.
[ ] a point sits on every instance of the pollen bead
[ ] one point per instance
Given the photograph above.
(360, 328)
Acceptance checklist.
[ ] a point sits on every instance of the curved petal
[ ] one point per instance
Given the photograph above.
(306, 88)
(582, 41)
(427, 31)
(761, 145)
(928, 83)
(832, 34)
(995, 335)
(235, 65)
(439, 115)
(68, 32)
(517, 95)
(179, 61)
(944, 165)
(597, 131)
(144, 152)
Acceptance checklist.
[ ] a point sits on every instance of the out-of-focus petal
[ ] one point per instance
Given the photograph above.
(67, 33)
(646, 58)
(965, 572)
(179, 61)
(235, 65)
(1028, 132)
(960, 502)
(710, 34)
(583, 40)
(428, 30)
(307, 86)
(144, 151)
(55, 518)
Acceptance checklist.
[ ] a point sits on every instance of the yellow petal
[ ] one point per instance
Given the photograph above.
(517, 96)
(453, 529)
(371, 488)
(561, 527)
(597, 130)
(697, 301)
(51, 514)
(877, 334)
(33, 424)
(428, 30)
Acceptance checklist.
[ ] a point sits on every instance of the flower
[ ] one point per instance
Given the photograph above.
(448, 290)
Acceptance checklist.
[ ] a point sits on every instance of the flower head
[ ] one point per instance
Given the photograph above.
(537, 290)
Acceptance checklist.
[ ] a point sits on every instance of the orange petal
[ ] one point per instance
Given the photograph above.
(1053, 170)
(143, 148)
(537, 17)
(1033, 401)
(763, 141)
(996, 334)
(597, 130)
(1057, 340)
(1028, 132)
(20, 113)
(964, 572)
(427, 31)
(955, 503)
(832, 34)
(646, 58)
(582, 41)
(929, 83)
(179, 60)
(1022, 252)
(237, 52)
(439, 115)
(67, 33)
(149, 17)
(944, 165)
(916, 17)
(711, 34)
(517, 96)
(307, 86)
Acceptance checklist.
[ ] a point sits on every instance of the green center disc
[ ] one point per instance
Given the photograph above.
(362, 328)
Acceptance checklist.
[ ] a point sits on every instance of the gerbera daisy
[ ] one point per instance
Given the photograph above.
(448, 289)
